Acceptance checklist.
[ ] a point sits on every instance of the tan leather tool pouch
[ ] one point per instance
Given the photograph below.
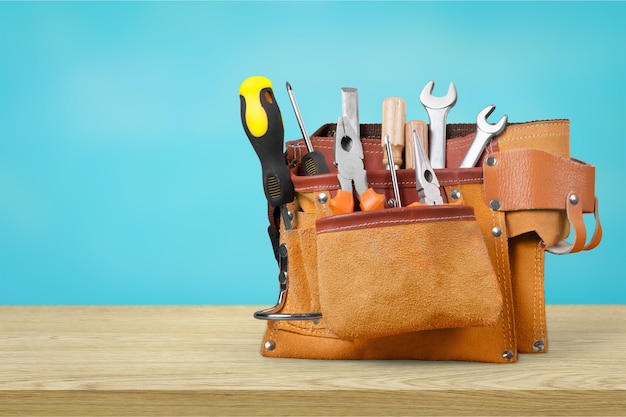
(458, 281)
(403, 270)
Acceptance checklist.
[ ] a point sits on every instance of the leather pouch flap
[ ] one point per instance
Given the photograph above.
(402, 270)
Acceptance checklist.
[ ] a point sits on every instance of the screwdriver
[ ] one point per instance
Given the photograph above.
(263, 125)
(313, 162)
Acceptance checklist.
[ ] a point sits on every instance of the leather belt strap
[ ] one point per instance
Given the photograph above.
(527, 179)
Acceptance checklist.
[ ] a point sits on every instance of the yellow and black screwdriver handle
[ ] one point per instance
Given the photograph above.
(263, 124)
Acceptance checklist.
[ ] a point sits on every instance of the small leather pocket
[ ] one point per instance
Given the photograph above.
(403, 270)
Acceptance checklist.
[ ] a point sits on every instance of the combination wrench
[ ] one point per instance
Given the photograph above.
(437, 109)
(484, 132)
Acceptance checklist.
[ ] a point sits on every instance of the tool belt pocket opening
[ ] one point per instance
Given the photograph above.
(403, 270)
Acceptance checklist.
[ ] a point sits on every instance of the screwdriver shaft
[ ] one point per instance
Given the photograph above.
(296, 110)
(392, 168)
(285, 215)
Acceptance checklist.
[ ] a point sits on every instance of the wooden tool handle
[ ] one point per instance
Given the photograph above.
(422, 130)
(394, 116)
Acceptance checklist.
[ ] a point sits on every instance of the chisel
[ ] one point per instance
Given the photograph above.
(263, 125)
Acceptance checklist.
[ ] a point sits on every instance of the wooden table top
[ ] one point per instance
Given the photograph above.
(205, 360)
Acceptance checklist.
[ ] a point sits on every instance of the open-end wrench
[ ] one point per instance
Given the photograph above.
(437, 109)
(484, 132)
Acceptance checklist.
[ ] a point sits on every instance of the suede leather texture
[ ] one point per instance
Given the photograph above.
(397, 271)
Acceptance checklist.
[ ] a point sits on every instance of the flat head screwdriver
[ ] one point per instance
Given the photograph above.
(263, 125)
(313, 162)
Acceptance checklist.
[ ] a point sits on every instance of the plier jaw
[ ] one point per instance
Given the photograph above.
(426, 180)
(349, 158)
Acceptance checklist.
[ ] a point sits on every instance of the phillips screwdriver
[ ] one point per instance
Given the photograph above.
(263, 125)
(313, 162)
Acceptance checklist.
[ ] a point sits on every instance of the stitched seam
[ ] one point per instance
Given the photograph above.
(473, 180)
(500, 260)
(388, 183)
(498, 265)
(508, 281)
(541, 301)
(446, 182)
(317, 188)
(460, 144)
(441, 182)
(517, 128)
(308, 329)
(394, 222)
(535, 293)
(538, 135)
(455, 181)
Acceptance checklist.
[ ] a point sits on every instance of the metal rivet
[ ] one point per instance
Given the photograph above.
(508, 355)
(391, 202)
(270, 345)
(491, 160)
(316, 321)
(322, 198)
(496, 231)
(455, 194)
(539, 345)
(573, 199)
(290, 214)
(494, 204)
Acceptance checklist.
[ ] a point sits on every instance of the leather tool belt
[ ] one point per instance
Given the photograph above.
(458, 281)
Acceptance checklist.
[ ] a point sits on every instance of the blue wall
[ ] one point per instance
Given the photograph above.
(125, 175)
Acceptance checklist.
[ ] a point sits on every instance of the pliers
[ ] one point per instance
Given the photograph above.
(349, 161)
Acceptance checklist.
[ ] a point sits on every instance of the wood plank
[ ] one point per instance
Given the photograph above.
(205, 360)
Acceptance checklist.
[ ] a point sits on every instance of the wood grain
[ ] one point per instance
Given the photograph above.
(394, 116)
(183, 361)
(422, 130)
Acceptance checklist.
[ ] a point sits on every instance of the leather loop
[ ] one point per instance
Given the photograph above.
(597, 234)
(527, 179)
(578, 229)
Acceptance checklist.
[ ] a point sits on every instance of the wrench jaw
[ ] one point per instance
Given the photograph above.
(484, 132)
(432, 102)
(493, 129)
(437, 109)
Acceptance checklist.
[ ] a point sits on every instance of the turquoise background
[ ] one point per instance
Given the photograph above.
(125, 174)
